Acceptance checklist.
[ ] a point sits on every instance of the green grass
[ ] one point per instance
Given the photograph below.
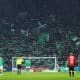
(38, 76)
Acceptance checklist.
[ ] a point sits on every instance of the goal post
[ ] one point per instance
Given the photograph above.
(39, 64)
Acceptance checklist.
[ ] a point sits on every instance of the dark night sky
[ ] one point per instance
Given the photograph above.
(7, 7)
(67, 9)
(60, 6)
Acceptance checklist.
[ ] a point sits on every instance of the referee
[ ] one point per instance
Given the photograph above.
(19, 64)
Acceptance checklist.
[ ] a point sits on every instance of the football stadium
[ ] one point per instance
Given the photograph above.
(39, 40)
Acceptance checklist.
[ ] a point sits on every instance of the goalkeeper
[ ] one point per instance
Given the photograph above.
(27, 64)
(19, 62)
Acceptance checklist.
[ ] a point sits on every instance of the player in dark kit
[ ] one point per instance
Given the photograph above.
(71, 63)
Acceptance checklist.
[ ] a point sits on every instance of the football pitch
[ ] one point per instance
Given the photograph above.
(39, 76)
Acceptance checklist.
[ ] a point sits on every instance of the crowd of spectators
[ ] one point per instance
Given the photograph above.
(46, 39)
(38, 29)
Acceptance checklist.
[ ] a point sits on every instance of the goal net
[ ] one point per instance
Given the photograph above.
(37, 64)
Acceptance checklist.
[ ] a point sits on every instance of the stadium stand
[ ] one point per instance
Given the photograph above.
(38, 33)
